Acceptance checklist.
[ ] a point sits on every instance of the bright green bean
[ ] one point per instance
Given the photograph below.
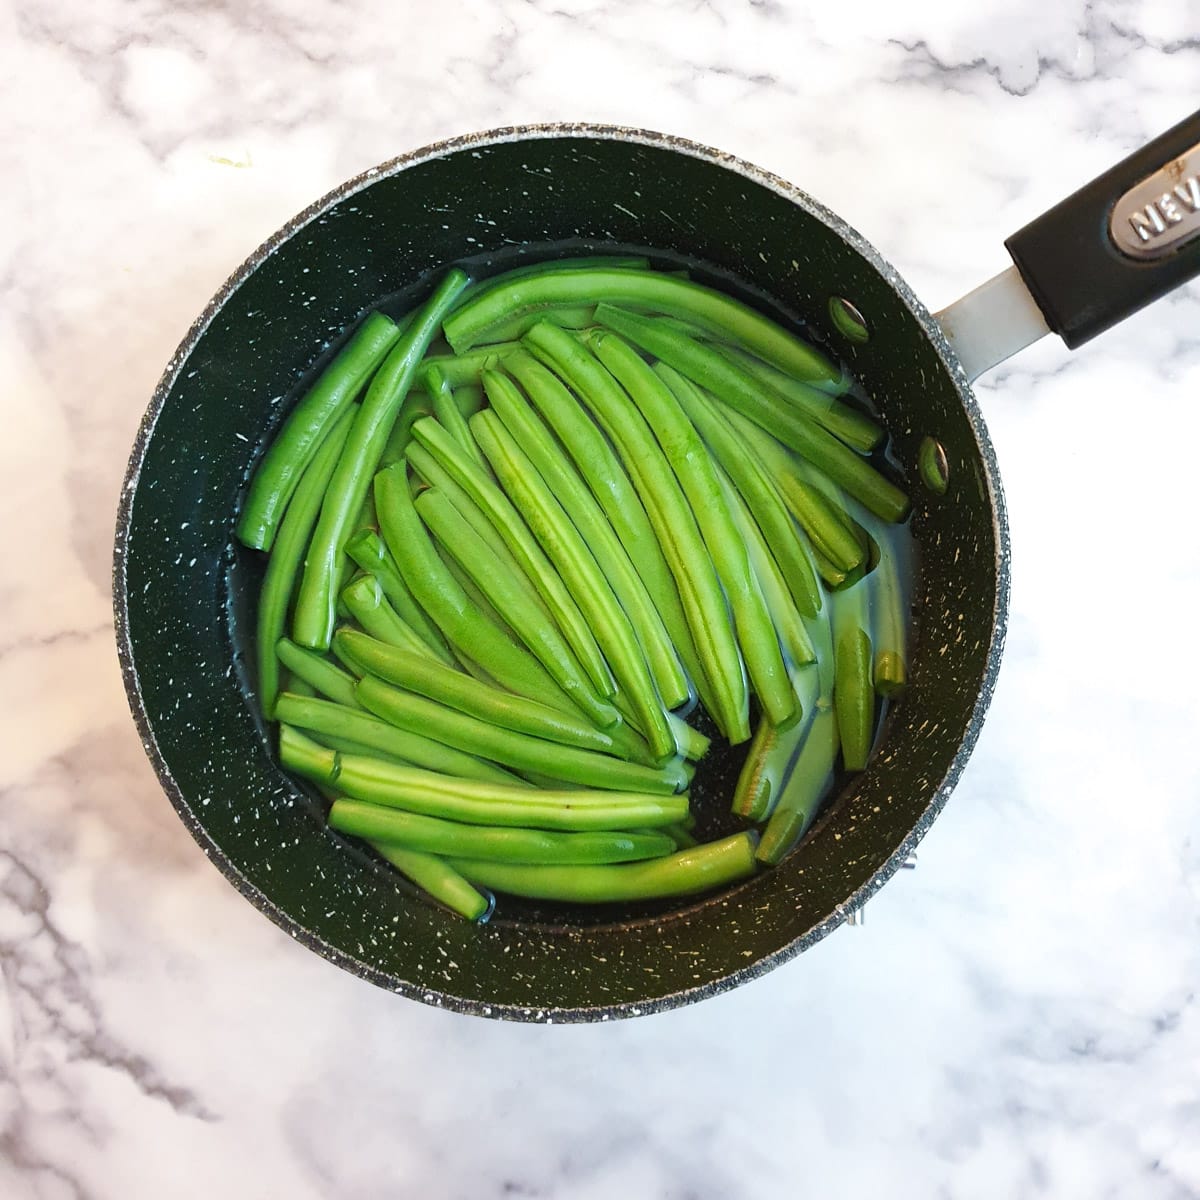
(286, 556)
(569, 316)
(316, 607)
(853, 690)
(854, 428)
(785, 617)
(597, 462)
(684, 873)
(474, 803)
(328, 679)
(365, 602)
(742, 392)
(570, 555)
(673, 521)
(296, 444)
(447, 412)
(436, 476)
(646, 289)
(512, 527)
(517, 750)
(323, 718)
(535, 846)
(607, 262)
(719, 530)
(825, 523)
(754, 484)
(465, 625)
(366, 548)
(505, 593)
(565, 484)
(463, 369)
(440, 881)
(414, 673)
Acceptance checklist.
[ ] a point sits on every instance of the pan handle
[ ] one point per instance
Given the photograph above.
(1123, 240)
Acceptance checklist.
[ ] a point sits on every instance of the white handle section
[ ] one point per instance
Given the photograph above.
(994, 321)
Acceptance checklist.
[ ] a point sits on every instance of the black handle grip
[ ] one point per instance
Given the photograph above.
(1122, 241)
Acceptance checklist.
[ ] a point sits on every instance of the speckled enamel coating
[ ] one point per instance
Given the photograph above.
(182, 593)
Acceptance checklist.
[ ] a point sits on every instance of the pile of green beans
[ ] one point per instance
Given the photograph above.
(524, 539)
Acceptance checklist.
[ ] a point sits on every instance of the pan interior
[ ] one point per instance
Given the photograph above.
(185, 593)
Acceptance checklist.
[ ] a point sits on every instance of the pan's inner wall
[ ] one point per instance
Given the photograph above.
(485, 198)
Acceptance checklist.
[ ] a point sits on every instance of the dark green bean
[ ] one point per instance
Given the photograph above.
(286, 556)
(569, 316)
(684, 873)
(316, 608)
(853, 690)
(535, 846)
(447, 412)
(646, 289)
(517, 750)
(606, 262)
(294, 447)
(365, 603)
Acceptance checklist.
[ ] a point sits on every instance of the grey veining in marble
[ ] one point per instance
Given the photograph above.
(1018, 1017)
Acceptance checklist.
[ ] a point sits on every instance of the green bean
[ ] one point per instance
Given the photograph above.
(462, 621)
(350, 746)
(613, 262)
(366, 548)
(756, 487)
(296, 685)
(684, 873)
(286, 556)
(675, 297)
(316, 608)
(672, 520)
(568, 488)
(854, 428)
(366, 604)
(853, 691)
(467, 695)
(463, 369)
(682, 836)
(569, 316)
(718, 527)
(440, 881)
(425, 792)
(741, 391)
(785, 617)
(435, 836)
(328, 679)
(575, 563)
(294, 447)
(510, 525)
(611, 488)
(803, 790)
(322, 718)
(448, 414)
(825, 523)
(691, 742)
(517, 750)
(436, 476)
(505, 593)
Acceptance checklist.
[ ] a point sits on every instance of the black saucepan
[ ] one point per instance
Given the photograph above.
(184, 595)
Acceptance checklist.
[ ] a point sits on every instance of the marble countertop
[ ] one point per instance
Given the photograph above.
(1018, 1017)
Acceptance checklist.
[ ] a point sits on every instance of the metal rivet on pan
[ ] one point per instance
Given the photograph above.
(933, 466)
(847, 320)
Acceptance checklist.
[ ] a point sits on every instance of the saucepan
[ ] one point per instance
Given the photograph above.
(184, 594)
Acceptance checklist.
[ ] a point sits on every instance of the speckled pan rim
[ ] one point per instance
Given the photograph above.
(855, 900)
